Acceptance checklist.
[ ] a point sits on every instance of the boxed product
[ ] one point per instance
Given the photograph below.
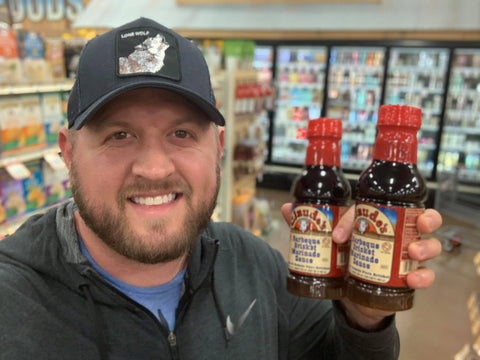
(33, 130)
(54, 55)
(52, 114)
(10, 69)
(35, 67)
(34, 193)
(64, 96)
(13, 201)
(11, 123)
(56, 184)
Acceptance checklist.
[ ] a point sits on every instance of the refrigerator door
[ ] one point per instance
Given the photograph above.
(460, 144)
(355, 80)
(300, 77)
(417, 77)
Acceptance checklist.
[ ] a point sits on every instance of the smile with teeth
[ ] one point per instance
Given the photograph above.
(156, 200)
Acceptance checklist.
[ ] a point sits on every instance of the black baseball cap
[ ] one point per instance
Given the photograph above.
(139, 54)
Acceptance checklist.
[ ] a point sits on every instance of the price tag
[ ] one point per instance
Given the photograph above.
(54, 160)
(17, 170)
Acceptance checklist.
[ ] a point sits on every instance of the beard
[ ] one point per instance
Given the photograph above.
(113, 228)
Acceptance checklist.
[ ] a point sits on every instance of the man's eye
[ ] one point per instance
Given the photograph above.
(120, 135)
(181, 134)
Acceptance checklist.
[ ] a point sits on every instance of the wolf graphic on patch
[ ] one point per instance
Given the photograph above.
(147, 57)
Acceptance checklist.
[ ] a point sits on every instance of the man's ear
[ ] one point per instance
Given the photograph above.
(65, 144)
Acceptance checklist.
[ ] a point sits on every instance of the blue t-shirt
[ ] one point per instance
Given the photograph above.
(163, 298)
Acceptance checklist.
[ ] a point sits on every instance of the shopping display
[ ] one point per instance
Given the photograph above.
(316, 263)
(390, 196)
(355, 80)
(300, 78)
(417, 77)
(439, 78)
(460, 144)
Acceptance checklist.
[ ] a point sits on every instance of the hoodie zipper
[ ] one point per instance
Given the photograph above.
(171, 337)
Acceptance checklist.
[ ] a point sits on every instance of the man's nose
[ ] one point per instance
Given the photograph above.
(154, 162)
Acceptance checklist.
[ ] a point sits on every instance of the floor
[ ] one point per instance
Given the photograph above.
(438, 326)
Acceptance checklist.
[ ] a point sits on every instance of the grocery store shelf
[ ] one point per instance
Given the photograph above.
(461, 130)
(27, 155)
(35, 88)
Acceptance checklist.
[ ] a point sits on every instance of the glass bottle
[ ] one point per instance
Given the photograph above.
(316, 263)
(390, 196)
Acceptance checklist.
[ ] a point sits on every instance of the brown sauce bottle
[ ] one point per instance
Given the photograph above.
(317, 264)
(390, 196)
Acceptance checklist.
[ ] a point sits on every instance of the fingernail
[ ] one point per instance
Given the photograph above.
(339, 234)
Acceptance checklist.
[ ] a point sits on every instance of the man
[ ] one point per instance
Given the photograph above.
(133, 268)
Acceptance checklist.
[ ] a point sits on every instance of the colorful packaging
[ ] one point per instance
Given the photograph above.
(65, 95)
(56, 184)
(54, 53)
(52, 116)
(33, 130)
(34, 193)
(10, 69)
(13, 201)
(11, 122)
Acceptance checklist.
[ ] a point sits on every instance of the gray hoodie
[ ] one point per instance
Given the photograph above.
(54, 305)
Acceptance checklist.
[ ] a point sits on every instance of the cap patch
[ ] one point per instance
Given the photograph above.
(147, 51)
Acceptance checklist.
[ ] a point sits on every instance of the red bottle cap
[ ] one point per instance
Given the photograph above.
(324, 127)
(400, 115)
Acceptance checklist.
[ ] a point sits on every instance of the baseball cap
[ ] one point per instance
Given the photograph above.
(139, 54)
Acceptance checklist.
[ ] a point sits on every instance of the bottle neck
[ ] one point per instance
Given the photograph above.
(396, 144)
(323, 151)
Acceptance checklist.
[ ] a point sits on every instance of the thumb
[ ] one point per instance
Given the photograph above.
(344, 228)
(286, 210)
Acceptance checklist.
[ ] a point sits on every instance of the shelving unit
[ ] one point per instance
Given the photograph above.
(460, 144)
(354, 94)
(239, 172)
(28, 154)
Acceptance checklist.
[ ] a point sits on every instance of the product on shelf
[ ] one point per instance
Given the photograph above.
(11, 120)
(13, 200)
(354, 93)
(34, 193)
(52, 114)
(10, 67)
(300, 85)
(54, 54)
(56, 184)
(35, 66)
(33, 129)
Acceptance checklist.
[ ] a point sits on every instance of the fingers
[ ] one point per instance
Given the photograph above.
(421, 278)
(429, 221)
(286, 210)
(425, 249)
(344, 228)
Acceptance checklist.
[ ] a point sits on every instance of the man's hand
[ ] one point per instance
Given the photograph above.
(422, 250)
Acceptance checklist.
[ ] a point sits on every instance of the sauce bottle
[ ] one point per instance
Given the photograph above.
(317, 264)
(390, 196)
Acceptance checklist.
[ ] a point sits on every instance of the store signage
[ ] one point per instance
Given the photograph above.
(44, 10)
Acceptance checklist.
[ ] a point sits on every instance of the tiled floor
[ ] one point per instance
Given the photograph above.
(438, 326)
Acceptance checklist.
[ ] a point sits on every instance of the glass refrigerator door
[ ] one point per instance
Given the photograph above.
(355, 81)
(300, 76)
(417, 77)
(460, 144)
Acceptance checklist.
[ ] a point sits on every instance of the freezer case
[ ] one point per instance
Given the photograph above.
(299, 80)
(460, 143)
(355, 80)
(417, 77)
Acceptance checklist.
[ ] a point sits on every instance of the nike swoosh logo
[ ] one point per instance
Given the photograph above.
(232, 328)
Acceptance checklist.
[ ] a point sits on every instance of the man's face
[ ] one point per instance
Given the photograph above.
(145, 174)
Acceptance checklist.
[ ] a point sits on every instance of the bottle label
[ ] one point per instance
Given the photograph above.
(379, 247)
(312, 251)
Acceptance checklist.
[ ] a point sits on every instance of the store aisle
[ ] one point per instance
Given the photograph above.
(438, 326)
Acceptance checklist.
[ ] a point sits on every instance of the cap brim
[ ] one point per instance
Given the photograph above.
(210, 110)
